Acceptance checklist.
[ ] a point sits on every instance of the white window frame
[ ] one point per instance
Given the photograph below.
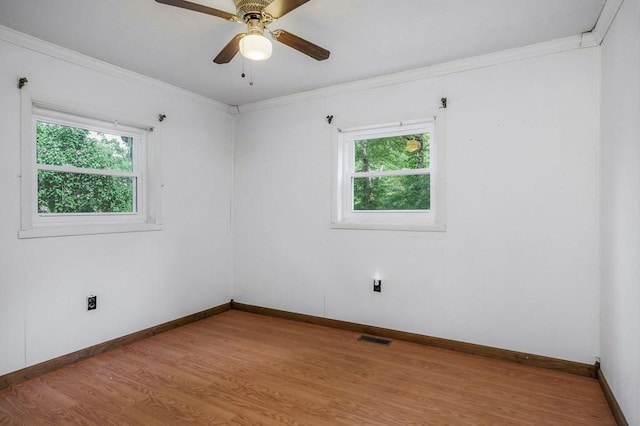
(146, 190)
(345, 217)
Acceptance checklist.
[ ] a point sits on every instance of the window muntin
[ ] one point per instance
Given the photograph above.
(387, 177)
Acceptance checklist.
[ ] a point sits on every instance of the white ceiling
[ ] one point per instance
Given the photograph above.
(367, 38)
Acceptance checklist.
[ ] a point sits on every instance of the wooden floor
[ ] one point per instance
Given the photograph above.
(241, 368)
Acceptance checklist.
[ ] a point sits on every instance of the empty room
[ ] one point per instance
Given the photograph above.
(320, 212)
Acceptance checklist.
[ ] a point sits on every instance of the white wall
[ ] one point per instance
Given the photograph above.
(141, 279)
(517, 268)
(621, 209)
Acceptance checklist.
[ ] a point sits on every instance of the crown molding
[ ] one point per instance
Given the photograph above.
(461, 65)
(34, 44)
(590, 39)
(596, 36)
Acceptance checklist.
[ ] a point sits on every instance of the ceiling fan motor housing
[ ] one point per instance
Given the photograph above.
(247, 8)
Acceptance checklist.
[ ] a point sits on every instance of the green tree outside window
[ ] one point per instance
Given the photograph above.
(83, 192)
(397, 192)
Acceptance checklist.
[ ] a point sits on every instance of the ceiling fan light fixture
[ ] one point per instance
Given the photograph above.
(255, 47)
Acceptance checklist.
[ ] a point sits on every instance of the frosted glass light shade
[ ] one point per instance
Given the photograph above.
(255, 47)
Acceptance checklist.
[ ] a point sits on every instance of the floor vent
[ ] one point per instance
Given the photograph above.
(377, 340)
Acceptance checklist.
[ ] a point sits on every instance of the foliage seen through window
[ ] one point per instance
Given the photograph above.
(82, 171)
(405, 187)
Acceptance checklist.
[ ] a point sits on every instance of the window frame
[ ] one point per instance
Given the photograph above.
(146, 191)
(345, 217)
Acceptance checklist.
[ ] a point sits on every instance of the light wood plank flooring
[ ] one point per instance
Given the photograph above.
(245, 369)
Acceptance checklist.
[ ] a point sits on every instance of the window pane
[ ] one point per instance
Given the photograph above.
(392, 153)
(392, 193)
(61, 192)
(60, 145)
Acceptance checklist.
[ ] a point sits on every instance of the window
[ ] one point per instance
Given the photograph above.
(389, 177)
(84, 175)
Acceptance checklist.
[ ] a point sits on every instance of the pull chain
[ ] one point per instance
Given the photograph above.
(243, 75)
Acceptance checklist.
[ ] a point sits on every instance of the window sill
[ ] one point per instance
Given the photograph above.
(72, 230)
(389, 226)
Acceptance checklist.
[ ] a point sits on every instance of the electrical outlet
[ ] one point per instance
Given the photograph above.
(92, 303)
(377, 285)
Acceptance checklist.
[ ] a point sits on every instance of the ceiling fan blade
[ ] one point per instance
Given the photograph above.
(301, 45)
(230, 50)
(279, 8)
(200, 8)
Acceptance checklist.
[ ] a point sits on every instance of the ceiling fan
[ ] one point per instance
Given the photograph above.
(256, 14)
